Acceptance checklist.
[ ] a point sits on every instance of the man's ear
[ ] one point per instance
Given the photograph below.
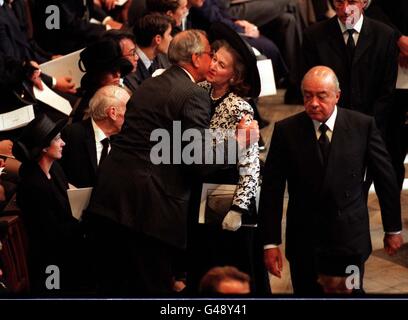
(195, 60)
(338, 94)
(157, 39)
(111, 112)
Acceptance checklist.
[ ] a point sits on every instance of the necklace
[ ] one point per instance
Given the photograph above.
(213, 98)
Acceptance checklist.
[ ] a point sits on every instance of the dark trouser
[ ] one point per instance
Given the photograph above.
(304, 276)
(128, 263)
(397, 135)
(259, 12)
(269, 49)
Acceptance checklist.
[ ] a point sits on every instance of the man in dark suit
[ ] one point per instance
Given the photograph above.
(153, 36)
(75, 29)
(14, 42)
(365, 64)
(143, 189)
(395, 14)
(322, 154)
(85, 140)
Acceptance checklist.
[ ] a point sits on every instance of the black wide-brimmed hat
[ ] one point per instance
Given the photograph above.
(220, 31)
(36, 136)
(104, 55)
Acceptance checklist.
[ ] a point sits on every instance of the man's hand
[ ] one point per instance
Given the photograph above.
(56, 56)
(403, 45)
(114, 24)
(392, 242)
(35, 76)
(273, 261)
(250, 29)
(65, 84)
(247, 132)
(6, 147)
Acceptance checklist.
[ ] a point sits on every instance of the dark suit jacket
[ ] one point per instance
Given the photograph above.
(327, 209)
(368, 82)
(160, 62)
(79, 154)
(394, 13)
(132, 190)
(75, 31)
(14, 41)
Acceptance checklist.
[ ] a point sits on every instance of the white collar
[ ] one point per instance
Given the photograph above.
(330, 122)
(188, 73)
(146, 61)
(99, 134)
(357, 27)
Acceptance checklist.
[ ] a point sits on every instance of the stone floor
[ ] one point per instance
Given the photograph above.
(384, 274)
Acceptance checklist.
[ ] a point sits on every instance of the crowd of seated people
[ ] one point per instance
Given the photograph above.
(123, 45)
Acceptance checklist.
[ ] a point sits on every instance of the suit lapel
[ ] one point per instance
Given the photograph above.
(336, 38)
(310, 149)
(364, 40)
(141, 72)
(340, 139)
(90, 144)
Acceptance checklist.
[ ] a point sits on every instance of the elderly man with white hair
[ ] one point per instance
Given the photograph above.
(88, 141)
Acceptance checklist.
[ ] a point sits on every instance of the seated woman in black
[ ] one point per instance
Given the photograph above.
(54, 235)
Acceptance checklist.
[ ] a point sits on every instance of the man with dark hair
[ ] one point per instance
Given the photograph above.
(153, 36)
(127, 43)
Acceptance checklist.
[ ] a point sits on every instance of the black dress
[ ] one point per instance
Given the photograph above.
(54, 236)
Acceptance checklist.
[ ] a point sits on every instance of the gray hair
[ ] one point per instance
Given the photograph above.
(185, 44)
(104, 98)
(322, 72)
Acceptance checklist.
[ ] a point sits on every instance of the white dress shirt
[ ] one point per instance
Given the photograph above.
(99, 136)
(357, 28)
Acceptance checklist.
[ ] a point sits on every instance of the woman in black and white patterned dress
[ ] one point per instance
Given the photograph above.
(232, 76)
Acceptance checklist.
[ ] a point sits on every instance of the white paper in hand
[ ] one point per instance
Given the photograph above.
(79, 200)
(65, 66)
(52, 99)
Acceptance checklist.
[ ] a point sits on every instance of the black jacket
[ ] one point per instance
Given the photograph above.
(367, 83)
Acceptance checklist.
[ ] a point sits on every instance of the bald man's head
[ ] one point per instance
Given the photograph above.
(325, 73)
(321, 92)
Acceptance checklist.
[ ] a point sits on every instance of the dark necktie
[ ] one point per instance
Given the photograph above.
(153, 67)
(324, 142)
(105, 149)
(351, 46)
